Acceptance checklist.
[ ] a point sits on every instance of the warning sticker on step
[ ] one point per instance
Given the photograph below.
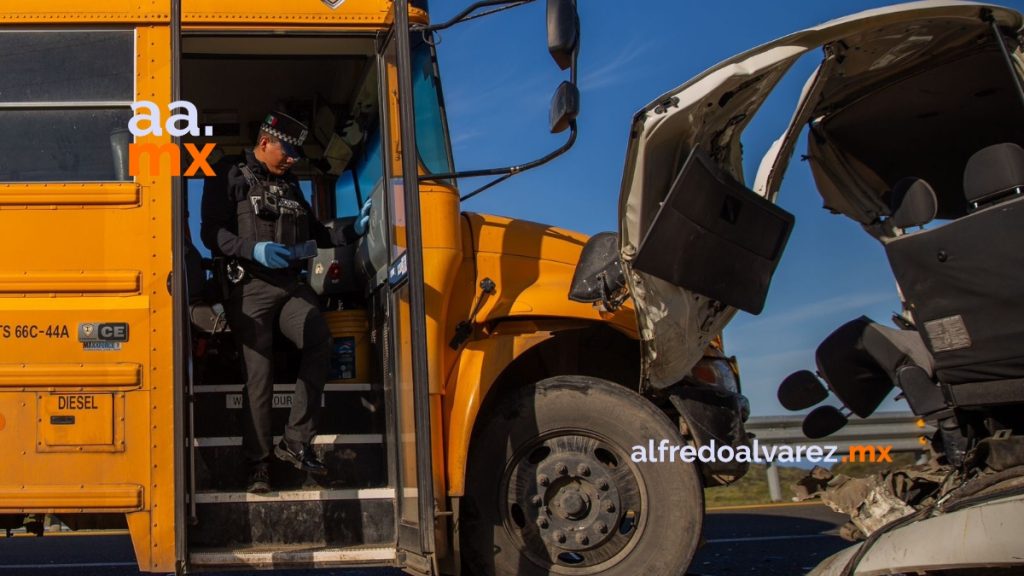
(343, 359)
(234, 401)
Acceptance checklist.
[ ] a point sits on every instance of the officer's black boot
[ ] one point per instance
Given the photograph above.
(259, 479)
(302, 458)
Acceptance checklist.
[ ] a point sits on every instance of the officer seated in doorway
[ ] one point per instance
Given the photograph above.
(255, 216)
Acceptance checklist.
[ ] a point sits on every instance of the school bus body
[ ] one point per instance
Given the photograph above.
(93, 424)
(92, 253)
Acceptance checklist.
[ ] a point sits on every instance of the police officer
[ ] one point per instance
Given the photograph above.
(254, 214)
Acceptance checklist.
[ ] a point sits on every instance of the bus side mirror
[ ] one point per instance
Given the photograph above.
(563, 31)
(565, 106)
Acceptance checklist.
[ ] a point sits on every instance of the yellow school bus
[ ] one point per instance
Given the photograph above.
(490, 376)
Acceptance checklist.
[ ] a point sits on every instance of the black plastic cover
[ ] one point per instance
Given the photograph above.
(565, 106)
(563, 31)
(823, 421)
(713, 414)
(345, 256)
(801, 390)
(599, 272)
(858, 366)
(715, 237)
(922, 393)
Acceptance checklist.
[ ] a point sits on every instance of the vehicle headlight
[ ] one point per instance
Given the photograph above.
(717, 372)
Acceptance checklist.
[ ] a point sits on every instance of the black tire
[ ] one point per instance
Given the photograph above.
(551, 487)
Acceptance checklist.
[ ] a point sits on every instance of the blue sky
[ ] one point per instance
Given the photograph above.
(498, 80)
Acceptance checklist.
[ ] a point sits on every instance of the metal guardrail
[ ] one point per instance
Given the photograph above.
(901, 430)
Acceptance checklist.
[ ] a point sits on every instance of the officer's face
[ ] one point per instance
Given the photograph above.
(274, 156)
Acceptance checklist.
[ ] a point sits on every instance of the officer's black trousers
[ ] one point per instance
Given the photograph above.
(254, 309)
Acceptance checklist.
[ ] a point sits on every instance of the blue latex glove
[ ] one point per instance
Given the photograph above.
(363, 221)
(271, 255)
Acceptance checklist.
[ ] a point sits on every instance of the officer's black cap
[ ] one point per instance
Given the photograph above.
(288, 130)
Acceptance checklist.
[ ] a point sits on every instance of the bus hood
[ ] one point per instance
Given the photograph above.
(687, 290)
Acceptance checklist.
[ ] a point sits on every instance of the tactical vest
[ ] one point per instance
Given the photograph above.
(268, 214)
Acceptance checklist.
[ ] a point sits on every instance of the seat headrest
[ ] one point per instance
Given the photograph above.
(993, 170)
(913, 203)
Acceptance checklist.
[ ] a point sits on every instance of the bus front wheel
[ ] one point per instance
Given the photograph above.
(556, 485)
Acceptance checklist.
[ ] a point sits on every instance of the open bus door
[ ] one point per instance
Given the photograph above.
(406, 373)
(376, 505)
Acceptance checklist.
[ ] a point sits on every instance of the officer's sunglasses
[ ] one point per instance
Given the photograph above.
(292, 151)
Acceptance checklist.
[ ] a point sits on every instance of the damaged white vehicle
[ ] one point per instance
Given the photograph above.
(916, 122)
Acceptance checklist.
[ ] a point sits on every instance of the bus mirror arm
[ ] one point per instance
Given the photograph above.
(506, 172)
(563, 32)
(468, 14)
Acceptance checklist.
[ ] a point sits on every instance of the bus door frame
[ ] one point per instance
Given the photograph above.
(416, 545)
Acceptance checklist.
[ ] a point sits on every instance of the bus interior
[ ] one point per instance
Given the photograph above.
(333, 84)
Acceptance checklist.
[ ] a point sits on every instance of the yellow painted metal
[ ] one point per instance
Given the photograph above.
(94, 253)
(82, 419)
(442, 255)
(72, 242)
(31, 376)
(532, 266)
(153, 80)
(369, 13)
(353, 13)
(479, 365)
(77, 12)
(80, 422)
(69, 194)
(55, 498)
(61, 360)
(73, 281)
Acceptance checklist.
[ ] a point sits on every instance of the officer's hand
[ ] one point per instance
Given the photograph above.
(271, 255)
(363, 221)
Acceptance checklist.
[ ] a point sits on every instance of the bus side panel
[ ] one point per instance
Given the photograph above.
(86, 372)
(76, 12)
(154, 83)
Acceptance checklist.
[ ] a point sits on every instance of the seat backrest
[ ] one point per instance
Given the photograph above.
(913, 203)
(862, 360)
(964, 285)
(993, 174)
(860, 376)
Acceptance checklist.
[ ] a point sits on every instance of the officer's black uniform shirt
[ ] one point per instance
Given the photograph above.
(219, 229)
